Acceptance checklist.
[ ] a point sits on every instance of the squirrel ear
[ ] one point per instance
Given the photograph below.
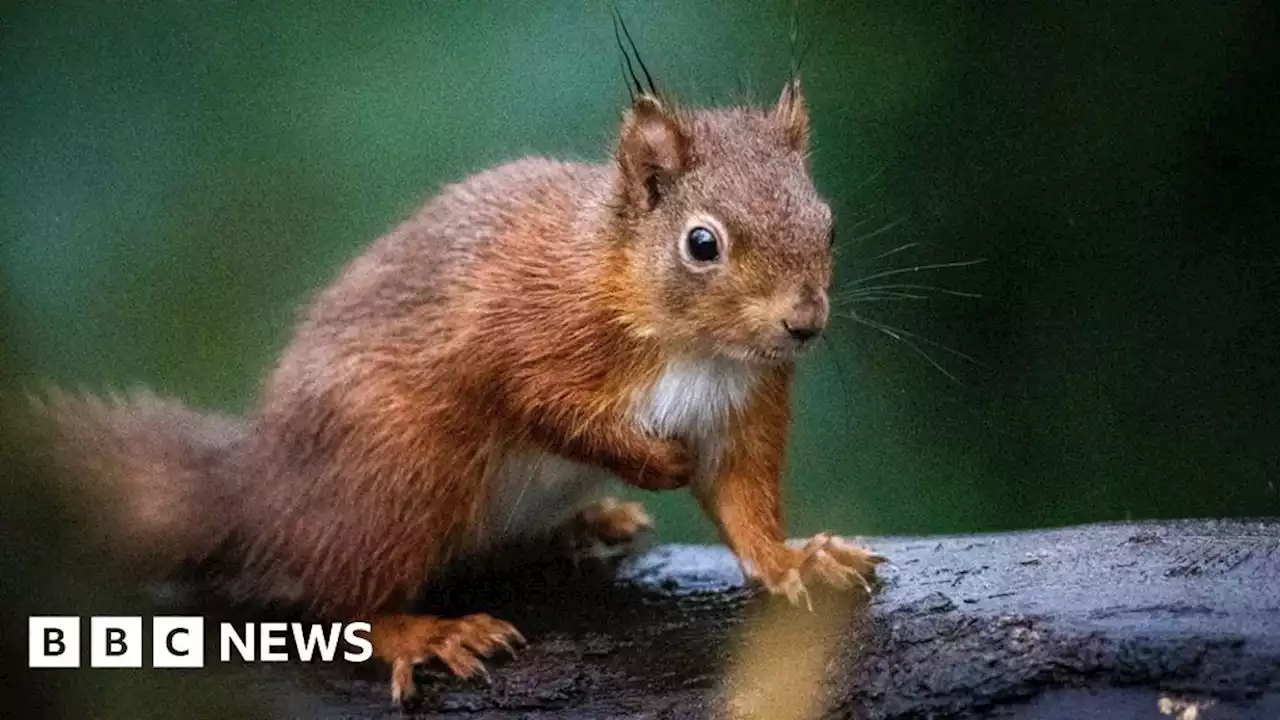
(793, 113)
(652, 152)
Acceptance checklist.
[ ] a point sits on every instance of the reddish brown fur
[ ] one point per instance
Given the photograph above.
(748, 512)
(527, 308)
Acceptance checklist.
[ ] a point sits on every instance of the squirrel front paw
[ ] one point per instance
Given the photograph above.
(824, 560)
(610, 522)
(606, 531)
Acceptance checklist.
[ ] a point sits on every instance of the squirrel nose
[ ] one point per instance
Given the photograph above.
(807, 318)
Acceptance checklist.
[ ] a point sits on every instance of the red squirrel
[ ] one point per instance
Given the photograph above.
(481, 371)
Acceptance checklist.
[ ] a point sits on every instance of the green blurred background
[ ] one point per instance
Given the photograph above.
(178, 177)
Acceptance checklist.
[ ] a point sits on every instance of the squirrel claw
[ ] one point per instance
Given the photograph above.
(406, 640)
(402, 687)
(793, 588)
(829, 560)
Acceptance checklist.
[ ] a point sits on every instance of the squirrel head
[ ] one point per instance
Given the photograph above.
(726, 241)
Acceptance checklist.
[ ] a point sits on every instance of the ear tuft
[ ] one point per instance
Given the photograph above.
(793, 113)
(652, 152)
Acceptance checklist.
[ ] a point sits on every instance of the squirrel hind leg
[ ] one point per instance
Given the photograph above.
(407, 640)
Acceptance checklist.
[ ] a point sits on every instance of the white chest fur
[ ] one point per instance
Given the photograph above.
(693, 398)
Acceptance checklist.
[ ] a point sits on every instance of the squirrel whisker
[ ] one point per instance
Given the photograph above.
(897, 335)
(910, 339)
(918, 268)
(861, 290)
(901, 248)
(878, 231)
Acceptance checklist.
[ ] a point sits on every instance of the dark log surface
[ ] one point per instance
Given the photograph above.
(1145, 620)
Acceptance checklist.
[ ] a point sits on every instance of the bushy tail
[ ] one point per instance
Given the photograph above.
(150, 473)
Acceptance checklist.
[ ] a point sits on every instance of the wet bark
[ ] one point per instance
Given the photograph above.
(1140, 620)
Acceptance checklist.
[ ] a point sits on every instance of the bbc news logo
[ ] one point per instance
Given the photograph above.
(178, 642)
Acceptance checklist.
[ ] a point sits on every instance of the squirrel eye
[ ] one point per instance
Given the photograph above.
(703, 245)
